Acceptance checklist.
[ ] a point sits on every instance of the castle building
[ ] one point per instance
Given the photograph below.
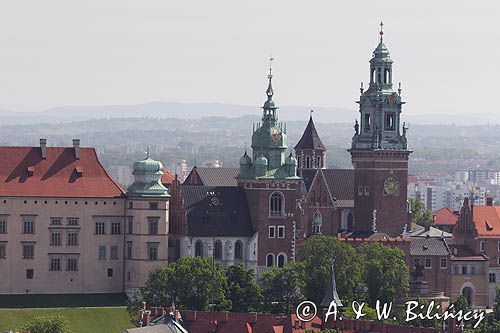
(67, 227)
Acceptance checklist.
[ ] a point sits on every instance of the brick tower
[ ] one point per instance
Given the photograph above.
(379, 152)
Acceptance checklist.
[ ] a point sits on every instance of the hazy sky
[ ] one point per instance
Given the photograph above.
(62, 52)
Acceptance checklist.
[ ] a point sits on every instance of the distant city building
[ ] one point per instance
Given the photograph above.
(121, 174)
(212, 164)
(187, 147)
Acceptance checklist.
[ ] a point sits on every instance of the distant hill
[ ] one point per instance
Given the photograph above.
(199, 110)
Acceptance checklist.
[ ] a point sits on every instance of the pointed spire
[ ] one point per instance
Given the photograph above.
(269, 90)
(148, 151)
(310, 138)
(381, 31)
(331, 291)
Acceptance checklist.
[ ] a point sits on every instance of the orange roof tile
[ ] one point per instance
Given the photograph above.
(487, 220)
(445, 216)
(23, 172)
(167, 177)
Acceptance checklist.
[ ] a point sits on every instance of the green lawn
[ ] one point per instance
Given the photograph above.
(61, 301)
(82, 320)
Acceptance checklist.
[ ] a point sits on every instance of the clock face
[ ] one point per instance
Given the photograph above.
(391, 186)
(215, 201)
(276, 135)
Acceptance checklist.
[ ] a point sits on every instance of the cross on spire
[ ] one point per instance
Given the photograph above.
(270, 76)
(381, 30)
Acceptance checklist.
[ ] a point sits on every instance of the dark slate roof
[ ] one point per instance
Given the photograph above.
(310, 138)
(212, 176)
(231, 219)
(308, 177)
(368, 234)
(340, 182)
(428, 247)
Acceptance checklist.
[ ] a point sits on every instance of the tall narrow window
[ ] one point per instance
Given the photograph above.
(198, 248)
(102, 252)
(3, 250)
(281, 260)
(28, 224)
(100, 228)
(3, 225)
(277, 204)
(129, 250)
(72, 264)
(116, 228)
(55, 239)
(238, 250)
(218, 249)
(28, 251)
(55, 264)
(389, 121)
(113, 252)
(366, 122)
(130, 224)
(72, 239)
(270, 260)
(153, 251)
(308, 162)
(153, 225)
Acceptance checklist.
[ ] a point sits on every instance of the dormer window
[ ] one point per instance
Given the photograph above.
(31, 170)
(79, 170)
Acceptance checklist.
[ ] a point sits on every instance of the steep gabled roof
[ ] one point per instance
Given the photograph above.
(212, 176)
(487, 220)
(341, 185)
(233, 219)
(23, 172)
(445, 216)
(167, 177)
(310, 138)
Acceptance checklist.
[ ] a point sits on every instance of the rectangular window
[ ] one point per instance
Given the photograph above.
(481, 246)
(473, 270)
(153, 251)
(72, 239)
(129, 250)
(455, 269)
(113, 252)
(55, 264)
(443, 263)
(28, 224)
(110, 272)
(55, 221)
(28, 251)
(55, 239)
(116, 228)
(153, 205)
(72, 264)
(464, 270)
(130, 205)
(100, 228)
(281, 231)
(130, 224)
(30, 273)
(428, 263)
(102, 252)
(73, 221)
(493, 278)
(3, 250)
(153, 225)
(272, 231)
(367, 191)
(3, 225)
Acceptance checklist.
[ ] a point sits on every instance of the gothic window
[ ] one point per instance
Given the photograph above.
(367, 122)
(281, 260)
(270, 260)
(350, 221)
(277, 204)
(389, 121)
(198, 249)
(218, 249)
(238, 250)
(308, 162)
(318, 162)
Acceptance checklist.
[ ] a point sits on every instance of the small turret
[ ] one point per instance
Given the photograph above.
(261, 165)
(147, 178)
(291, 165)
(245, 163)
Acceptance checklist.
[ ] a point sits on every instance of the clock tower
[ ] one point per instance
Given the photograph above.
(379, 152)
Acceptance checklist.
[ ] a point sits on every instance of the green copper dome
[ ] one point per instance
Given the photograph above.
(147, 165)
(290, 160)
(269, 136)
(245, 159)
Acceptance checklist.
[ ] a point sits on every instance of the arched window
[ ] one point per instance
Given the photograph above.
(277, 204)
(281, 261)
(318, 162)
(270, 260)
(198, 248)
(218, 250)
(317, 222)
(350, 221)
(238, 250)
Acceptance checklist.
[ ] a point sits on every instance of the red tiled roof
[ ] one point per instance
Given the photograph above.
(23, 172)
(445, 216)
(487, 220)
(167, 177)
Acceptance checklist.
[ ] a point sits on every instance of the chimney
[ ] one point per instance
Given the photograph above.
(76, 147)
(43, 148)
(489, 201)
